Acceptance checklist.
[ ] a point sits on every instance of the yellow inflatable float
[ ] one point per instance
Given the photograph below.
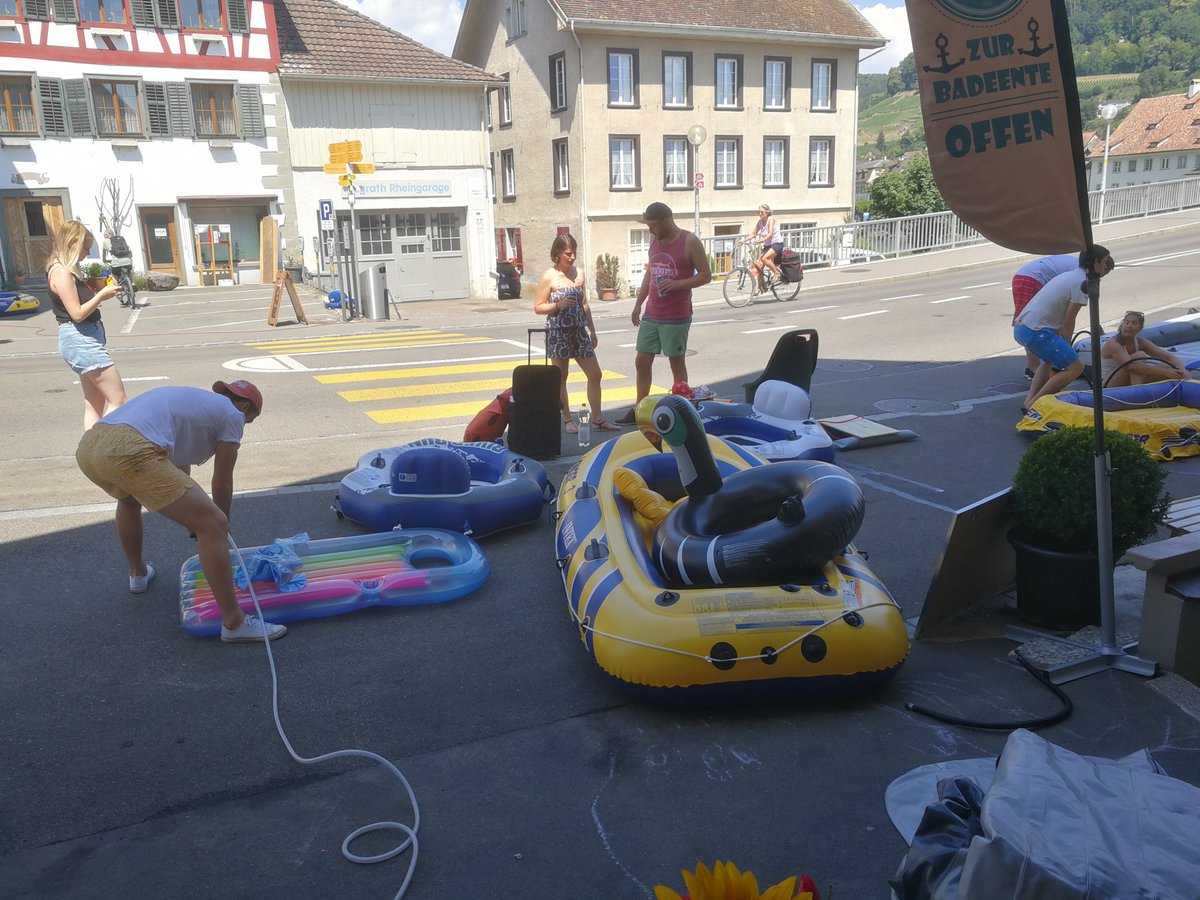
(710, 574)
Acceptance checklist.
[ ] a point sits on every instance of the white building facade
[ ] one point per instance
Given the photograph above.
(171, 99)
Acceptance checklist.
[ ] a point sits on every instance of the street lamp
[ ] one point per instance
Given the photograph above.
(1108, 112)
(696, 136)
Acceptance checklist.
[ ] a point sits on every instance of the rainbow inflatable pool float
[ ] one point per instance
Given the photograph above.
(301, 579)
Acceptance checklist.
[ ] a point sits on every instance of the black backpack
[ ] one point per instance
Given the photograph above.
(118, 247)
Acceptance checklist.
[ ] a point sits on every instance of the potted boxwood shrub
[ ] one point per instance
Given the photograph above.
(608, 276)
(1054, 521)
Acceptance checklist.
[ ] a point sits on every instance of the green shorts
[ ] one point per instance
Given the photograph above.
(669, 340)
(122, 462)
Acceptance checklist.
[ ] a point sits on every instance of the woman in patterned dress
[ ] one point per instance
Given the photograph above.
(561, 297)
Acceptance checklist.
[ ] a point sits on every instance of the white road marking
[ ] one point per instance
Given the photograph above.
(899, 297)
(286, 363)
(145, 378)
(133, 317)
(258, 321)
(874, 312)
(969, 287)
(764, 330)
(950, 299)
(714, 322)
(796, 312)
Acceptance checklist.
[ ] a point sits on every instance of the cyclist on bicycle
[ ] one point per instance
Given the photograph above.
(118, 257)
(765, 231)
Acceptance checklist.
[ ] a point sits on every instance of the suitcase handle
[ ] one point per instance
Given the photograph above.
(529, 343)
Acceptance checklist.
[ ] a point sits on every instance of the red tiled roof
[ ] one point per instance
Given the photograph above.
(1159, 125)
(824, 17)
(322, 37)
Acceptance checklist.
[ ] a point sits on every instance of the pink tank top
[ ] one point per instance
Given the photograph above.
(669, 261)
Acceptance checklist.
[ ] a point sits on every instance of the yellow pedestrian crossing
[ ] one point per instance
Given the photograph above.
(395, 395)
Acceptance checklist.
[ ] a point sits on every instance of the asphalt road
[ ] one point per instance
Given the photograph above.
(143, 762)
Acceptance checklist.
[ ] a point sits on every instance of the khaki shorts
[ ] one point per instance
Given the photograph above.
(125, 464)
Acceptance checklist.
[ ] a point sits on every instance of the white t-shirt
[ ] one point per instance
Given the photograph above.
(1048, 308)
(187, 422)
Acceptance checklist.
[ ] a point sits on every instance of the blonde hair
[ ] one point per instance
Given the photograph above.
(764, 206)
(70, 242)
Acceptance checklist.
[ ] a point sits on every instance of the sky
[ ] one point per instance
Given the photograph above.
(434, 23)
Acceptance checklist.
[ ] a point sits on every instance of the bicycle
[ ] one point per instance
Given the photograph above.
(740, 287)
(125, 282)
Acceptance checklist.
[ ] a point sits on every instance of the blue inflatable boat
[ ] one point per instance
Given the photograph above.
(473, 488)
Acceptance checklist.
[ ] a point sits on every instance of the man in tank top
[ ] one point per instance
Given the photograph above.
(677, 264)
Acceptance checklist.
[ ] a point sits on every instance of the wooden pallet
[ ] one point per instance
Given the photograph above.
(1183, 516)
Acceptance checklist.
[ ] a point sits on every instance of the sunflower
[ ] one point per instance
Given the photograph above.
(725, 882)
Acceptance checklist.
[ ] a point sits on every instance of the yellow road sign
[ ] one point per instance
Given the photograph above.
(335, 168)
(363, 168)
(345, 152)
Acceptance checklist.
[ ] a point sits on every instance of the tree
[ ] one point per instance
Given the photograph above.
(908, 72)
(113, 207)
(910, 192)
(880, 143)
(894, 83)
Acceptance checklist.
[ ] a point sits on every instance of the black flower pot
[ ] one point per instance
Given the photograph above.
(1059, 591)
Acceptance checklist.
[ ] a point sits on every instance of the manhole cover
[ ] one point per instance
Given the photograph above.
(843, 365)
(918, 407)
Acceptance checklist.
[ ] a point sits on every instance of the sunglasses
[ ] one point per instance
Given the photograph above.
(1141, 317)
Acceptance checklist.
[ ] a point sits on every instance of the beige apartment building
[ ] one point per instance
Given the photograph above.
(593, 122)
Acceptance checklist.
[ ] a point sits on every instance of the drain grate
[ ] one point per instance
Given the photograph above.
(843, 365)
(917, 407)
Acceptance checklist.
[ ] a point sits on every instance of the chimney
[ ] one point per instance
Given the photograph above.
(1194, 88)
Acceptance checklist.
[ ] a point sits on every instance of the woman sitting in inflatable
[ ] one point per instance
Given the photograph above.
(1128, 359)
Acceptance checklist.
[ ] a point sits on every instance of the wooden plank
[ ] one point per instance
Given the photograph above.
(855, 426)
(283, 282)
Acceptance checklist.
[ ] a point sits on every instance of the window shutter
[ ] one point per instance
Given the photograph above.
(157, 113)
(238, 19)
(54, 112)
(250, 107)
(65, 11)
(37, 9)
(143, 13)
(167, 12)
(179, 109)
(79, 110)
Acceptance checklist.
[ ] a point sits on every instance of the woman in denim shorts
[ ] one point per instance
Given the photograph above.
(81, 336)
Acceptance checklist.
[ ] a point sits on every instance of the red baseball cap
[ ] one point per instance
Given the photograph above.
(243, 389)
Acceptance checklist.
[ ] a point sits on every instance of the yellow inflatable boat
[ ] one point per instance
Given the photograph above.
(709, 574)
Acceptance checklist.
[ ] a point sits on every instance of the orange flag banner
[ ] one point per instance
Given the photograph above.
(1002, 123)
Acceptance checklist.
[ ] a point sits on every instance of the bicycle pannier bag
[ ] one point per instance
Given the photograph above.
(791, 267)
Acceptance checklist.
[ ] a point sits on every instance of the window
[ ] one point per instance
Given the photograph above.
(514, 18)
(508, 175)
(101, 11)
(558, 82)
(639, 254)
(729, 82)
(1116, 166)
(820, 151)
(487, 112)
(622, 78)
(777, 83)
(728, 162)
(824, 77)
(115, 104)
(562, 167)
(624, 172)
(374, 234)
(201, 14)
(8, 8)
(411, 225)
(1164, 163)
(677, 163)
(775, 162)
(677, 81)
(1181, 162)
(16, 106)
(212, 105)
(504, 99)
(447, 232)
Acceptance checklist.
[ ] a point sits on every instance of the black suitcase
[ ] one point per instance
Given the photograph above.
(534, 411)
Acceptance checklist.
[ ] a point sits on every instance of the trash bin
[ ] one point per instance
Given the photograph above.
(372, 292)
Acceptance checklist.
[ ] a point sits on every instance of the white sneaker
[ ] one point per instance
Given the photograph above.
(140, 584)
(253, 629)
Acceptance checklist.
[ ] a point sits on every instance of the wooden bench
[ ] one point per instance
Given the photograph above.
(1183, 516)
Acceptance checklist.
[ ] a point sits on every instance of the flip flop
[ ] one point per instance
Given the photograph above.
(605, 425)
(571, 427)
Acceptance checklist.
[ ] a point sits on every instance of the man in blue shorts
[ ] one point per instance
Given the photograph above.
(1044, 328)
(677, 264)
